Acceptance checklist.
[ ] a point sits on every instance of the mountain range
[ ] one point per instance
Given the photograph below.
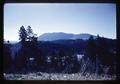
(63, 36)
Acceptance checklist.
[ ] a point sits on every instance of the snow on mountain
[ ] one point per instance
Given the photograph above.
(61, 35)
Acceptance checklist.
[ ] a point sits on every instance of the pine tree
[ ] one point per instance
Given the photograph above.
(105, 56)
(102, 50)
(91, 49)
(91, 55)
(36, 52)
(22, 34)
(21, 56)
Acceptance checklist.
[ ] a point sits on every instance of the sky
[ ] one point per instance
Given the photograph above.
(92, 18)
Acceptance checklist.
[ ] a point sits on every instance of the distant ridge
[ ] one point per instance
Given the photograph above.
(63, 36)
(11, 42)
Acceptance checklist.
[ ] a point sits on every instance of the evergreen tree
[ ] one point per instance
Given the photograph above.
(30, 34)
(91, 49)
(105, 56)
(21, 56)
(103, 50)
(36, 52)
(22, 34)
(92, 55)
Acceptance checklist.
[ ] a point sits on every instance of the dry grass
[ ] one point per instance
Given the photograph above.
(57, 76)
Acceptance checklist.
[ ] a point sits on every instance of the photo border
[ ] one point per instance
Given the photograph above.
(66, 81)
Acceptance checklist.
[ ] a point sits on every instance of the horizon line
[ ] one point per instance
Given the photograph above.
(66, 33)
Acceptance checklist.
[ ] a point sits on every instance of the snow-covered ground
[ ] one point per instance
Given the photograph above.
(57, 76)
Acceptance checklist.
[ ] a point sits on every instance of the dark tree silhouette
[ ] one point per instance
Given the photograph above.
(92, 55)
(105, 56)
(91, 49)
(103, 50)
(37, 54)
(30, 34)
(21, 57)
(7, 58)
(22, 34)
(29, 56)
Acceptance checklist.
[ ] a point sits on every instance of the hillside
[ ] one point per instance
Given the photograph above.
(63, 36)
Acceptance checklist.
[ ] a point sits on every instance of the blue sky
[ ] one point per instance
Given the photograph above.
(60, 17)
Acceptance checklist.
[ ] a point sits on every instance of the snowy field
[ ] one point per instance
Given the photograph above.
(57, 76)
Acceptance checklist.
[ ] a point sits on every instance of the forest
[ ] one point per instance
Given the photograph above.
(59, 56)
